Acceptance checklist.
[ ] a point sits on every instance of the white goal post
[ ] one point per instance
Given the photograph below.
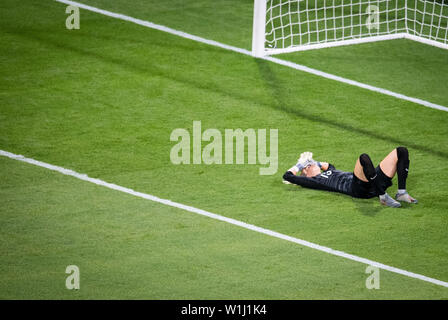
(281, 26)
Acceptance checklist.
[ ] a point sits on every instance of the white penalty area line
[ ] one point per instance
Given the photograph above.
(211, 215)
(249, 53)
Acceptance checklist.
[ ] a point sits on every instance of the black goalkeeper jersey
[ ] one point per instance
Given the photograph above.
(330, 180)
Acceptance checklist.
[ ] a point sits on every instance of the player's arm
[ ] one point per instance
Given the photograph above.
(324, 165)
(303, 181)
(306, 158)
(291, 177)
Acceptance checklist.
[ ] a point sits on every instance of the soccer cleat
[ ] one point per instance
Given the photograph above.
(387, 200)
(405, 197)
(286, 182)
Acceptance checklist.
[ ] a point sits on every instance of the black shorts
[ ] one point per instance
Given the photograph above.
(362, 189)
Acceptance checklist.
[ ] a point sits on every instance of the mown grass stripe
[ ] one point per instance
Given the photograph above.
(215, 216)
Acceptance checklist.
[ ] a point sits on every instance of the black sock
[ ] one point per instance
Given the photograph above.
(402, 166)
(370, 173)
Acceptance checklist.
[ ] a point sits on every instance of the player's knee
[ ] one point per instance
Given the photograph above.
(364, 159)
(402, 153)
(367, 165)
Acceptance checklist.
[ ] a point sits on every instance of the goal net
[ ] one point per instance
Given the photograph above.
(282, 26)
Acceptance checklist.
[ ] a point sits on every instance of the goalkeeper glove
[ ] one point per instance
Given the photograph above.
(305, 159)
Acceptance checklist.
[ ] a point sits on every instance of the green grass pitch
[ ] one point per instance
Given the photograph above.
(104, 99)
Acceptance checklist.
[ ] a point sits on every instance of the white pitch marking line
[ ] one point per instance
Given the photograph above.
(221, 218)
(249, 53)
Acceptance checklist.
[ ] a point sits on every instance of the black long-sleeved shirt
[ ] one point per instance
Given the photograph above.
(330, 180)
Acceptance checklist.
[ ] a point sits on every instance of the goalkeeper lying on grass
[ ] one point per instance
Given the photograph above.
(365, 181)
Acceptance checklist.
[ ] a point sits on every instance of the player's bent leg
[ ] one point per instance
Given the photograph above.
(358, 171)
(367, 167)
(389, 164)
(397, 162)
(371, 175)
(402, 174)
